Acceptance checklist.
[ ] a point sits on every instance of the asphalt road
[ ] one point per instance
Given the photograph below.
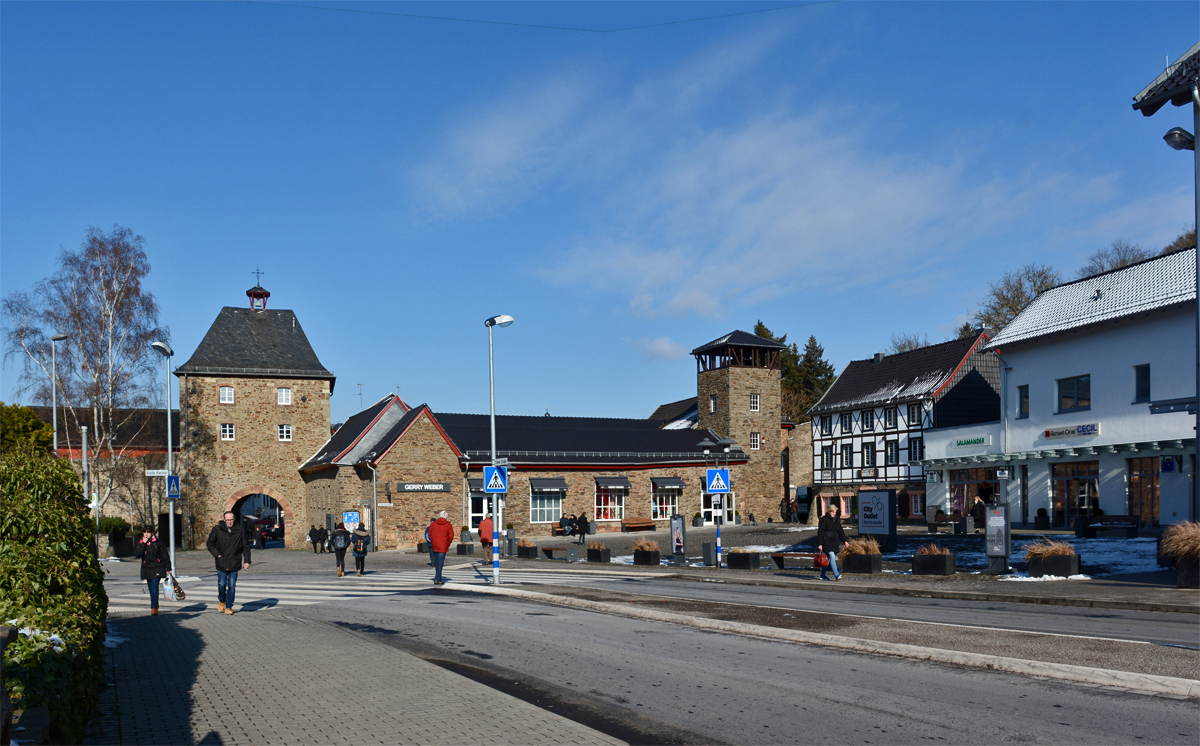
(648, 682)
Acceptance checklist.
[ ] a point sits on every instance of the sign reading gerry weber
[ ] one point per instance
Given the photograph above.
(422, 486)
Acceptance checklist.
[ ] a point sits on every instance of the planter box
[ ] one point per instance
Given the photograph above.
(862, 563)
(697, 523)
(742, 560)
(600, 555)
(647, 559)
(422, 548)
(527, 552)
(1187, 573)
(464, 537)
(933, 564)
(466, 548)
(1063, 565)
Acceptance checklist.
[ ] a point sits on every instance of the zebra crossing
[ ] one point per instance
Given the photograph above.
(265, 591)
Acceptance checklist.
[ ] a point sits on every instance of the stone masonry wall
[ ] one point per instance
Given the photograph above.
(255, 461)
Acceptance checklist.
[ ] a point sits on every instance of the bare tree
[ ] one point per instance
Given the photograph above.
(1185, 240)
(1119, 253)
(1008, 296)
(907, 342)
(105, 365)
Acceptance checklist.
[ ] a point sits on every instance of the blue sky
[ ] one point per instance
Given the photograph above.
(847, 170)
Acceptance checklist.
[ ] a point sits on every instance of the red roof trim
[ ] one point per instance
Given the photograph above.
(426, 411)
(982, 336)
(365, 430)
(603, 467)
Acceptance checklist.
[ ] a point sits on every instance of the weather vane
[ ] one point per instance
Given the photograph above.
(258, 273)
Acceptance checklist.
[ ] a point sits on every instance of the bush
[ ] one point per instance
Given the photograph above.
(645, 545)
(1182, 540)
(526, 543)
(118, 528)
(860, 545)
(932, 548)
(597, 546)
(739, 550)
(508, 525)
(1046, 548)
(52, 588)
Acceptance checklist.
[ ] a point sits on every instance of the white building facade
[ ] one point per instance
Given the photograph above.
(1098, 380)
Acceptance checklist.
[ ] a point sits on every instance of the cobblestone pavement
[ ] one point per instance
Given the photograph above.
(200, 677)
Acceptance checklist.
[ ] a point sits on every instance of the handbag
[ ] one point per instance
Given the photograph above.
(821, 560)
(174, 589)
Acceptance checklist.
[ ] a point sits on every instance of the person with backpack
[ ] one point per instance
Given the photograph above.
(359, 541)
(339, 540)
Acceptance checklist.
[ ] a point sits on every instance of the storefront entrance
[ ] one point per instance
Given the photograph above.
(710, 513)
(1076, 492)
(1143, 490)
(967, 484)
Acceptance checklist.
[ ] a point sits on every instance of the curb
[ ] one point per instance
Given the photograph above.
(1189, 688)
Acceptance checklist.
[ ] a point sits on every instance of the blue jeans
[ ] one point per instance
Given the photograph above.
(226, 586)
(439, 559)
(832, 566)
(153, 583)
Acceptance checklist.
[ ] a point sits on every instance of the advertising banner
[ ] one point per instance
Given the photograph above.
(877, 516)
(678, 535)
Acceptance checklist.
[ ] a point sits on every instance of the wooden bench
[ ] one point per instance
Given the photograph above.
(1111, 525)
(779, 558)
(556, 530)
(637, 524)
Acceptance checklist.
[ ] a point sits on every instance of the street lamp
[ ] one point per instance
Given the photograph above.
(501, 320)
(167, 353)
(54, 385)
(1180, 139)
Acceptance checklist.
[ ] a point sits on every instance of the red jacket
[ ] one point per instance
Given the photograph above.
(485, 530)
(441, 536)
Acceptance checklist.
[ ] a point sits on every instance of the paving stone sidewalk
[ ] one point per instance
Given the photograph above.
(199, 677)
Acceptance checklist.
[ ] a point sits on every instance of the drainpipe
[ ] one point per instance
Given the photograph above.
(374, 509)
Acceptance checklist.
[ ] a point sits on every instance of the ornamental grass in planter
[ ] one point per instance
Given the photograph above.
(1182, 542)
(1048, 557)
(597, 552)
(861, 555)
(742, 559)
(933, 559)
(645, 552)
(527, 549)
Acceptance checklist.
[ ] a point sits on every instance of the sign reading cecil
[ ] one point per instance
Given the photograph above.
(877, 515)
(1078, 431)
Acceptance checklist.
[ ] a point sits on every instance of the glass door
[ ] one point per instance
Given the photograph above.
(706, 508)
(1143, 490)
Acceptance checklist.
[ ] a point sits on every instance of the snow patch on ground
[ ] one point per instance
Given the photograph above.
(1023, 577)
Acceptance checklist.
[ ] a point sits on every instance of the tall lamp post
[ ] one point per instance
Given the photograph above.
(54, 385)
(493, 322)
(167, 353)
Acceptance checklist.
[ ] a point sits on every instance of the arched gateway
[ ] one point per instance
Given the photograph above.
(242, 496)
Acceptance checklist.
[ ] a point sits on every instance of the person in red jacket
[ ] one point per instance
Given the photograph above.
(441, 536)
(485, 537)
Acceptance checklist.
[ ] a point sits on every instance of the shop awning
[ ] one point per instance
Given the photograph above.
(915, 490)
(548, 484)
(613, 483)
(476, 485)
(668, 482)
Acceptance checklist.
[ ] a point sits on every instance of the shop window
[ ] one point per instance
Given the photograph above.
(847, 423)
(914, 415)
(889, 418)
(545, 506)
(967, 484)
(847, 456)
(1141, 385)
(1143, 490)
(827, 457)
(868, 420)
(916, 449)
(664, 502)
(754, 402)
(1074, 394)
(227, 395)
(868, 454)
(285, 433)
(226, 431)
(891, 453)
(283, 396)
(755, 441)
(1022, 402)
(826, 424)
(610, 503)
(1076, 492)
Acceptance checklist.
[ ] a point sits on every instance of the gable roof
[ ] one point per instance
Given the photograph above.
(1137, 288)
(738, 338)
(366, 435)
(907, 376)
(675, 410)
(243, 341)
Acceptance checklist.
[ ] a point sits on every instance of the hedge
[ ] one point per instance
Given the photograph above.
(51, 587)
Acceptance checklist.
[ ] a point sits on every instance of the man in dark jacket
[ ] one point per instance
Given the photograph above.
(323, 538)
(228, 545)
(314, 537)
(441, 536)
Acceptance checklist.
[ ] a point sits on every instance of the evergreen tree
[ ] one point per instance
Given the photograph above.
(789, 374)
(966, 331)
(815, 375)
(19, 425)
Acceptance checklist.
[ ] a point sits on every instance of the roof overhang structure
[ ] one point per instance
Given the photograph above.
(1147, 447)
(1175, 85)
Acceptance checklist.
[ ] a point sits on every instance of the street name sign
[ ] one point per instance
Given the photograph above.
(157, 472)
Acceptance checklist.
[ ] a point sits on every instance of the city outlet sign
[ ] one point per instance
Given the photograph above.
(1078, 431)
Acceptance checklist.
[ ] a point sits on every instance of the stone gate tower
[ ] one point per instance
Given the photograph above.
(256, 404)
(738, 394)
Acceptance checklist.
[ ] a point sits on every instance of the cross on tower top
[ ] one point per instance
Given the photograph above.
(258, 273)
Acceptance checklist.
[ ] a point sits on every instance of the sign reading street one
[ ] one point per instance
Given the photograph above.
(1078, 431)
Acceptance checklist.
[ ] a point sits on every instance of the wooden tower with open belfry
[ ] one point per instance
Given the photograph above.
(739, 395)
(255, 400)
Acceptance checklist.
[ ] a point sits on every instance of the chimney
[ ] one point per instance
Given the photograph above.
(879, 357)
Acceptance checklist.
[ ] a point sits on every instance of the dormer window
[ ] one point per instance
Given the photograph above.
(227, 395)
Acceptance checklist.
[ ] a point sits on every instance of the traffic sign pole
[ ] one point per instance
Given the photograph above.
(495, 482)
(718, 485)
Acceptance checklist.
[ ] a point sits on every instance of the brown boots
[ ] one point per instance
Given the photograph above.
(220, 606)
(154, 612)
(340, 573)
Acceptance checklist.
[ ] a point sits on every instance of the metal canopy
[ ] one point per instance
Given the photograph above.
(668, 482)
(548, 484)
(614, 483)
(1149, 447)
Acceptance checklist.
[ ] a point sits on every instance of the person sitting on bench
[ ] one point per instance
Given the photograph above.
(566, 524)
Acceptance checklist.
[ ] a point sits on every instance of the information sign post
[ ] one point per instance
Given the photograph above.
(495, 483)
(997, 538)
(717, 482)
(877, 516)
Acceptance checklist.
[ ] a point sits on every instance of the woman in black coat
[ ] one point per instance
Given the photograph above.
(156, 562)
(830, 539)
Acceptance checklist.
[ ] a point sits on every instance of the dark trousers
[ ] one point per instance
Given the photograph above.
(322, 547)
(360, 563)
(340, 555)
(315, 547)
(439, 559)
(153, 583)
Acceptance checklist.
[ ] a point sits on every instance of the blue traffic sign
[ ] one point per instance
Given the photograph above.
(172, 488)
(717, 481)
(495, 479)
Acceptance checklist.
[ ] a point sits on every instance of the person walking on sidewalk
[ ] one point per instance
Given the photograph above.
(359, 542)
(441, 536)
(831, 538)
(156, 563)
(338, 541)
(230, 547)
(485, 537)
(314, 537)
(323, 538)
(581, 526)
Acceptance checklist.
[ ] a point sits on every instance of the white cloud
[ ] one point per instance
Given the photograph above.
(661, 348)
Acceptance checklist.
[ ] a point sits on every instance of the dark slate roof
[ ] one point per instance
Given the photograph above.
(244, 341)
(738, 339)
(366, 435)
(1174, 84)
(574, 440)
(674, 410)
(137, 429)
(907, 376)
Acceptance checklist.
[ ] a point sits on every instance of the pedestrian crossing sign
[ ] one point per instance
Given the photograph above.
(495, 479)
(172, 488)
(717, 481)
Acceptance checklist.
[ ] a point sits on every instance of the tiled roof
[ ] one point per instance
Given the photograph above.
(1174, 84)
(137, 429)
(1148, 285)
(250, 342)
(675, 410)
(907, 376)
(365, 435)
(738, 339)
